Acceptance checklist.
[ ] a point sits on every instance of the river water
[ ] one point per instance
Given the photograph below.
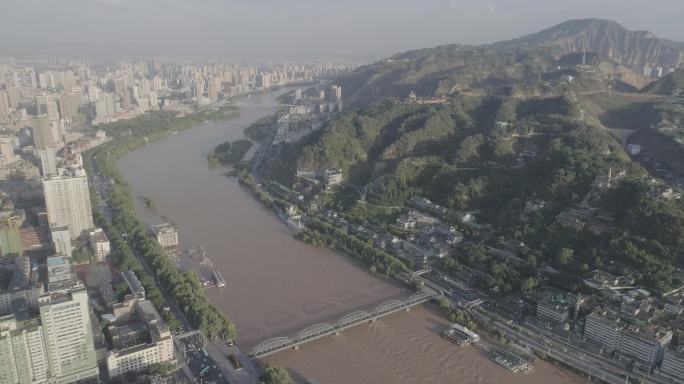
(276, 285)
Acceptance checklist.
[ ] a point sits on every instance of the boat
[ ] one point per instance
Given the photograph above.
(219, 279)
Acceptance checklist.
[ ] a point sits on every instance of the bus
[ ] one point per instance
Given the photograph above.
(204, 371)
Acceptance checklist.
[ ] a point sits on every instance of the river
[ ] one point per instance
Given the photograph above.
(276, 285)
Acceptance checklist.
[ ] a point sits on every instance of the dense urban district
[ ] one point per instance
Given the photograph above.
(529, 190)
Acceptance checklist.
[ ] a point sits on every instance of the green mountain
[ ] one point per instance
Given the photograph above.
(532, 119)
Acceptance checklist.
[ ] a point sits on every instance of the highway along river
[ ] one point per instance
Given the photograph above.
(276, 285)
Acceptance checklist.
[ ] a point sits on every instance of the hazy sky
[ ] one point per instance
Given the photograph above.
(299, 28)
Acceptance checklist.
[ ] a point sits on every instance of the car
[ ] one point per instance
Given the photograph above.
(235, 362)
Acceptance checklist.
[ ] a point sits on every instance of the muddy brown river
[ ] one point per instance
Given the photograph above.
(276, 286)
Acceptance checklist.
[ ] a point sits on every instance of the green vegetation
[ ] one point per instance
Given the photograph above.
(321, 233)
(262, 129)
(183, 286)
(228, 153)
(160, 368)
(124, 259)
(456, 315)
(275, 375)
(148, 202)
(82, 255)
(492, 154)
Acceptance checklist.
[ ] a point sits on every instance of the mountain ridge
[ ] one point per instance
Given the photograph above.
(634, 49)
(616, 53)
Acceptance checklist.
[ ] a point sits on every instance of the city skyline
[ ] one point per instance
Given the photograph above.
(298, 28)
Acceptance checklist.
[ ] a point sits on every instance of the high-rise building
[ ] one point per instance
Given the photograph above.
(126, 100)
(48, 161)
(110, 104)
(68, 334)
(61, 238)
(10, 236)
(68, 106)
(120, 86)
(335, 92)
(93, 93)
(156, 83)
(99, 244)
(22, 351)
(46, 133)
(6, 149)
(41, 103)
(57, 346)
(212, 90)
(52, 111)
(4, 105)
(67, 199)
(198, 90)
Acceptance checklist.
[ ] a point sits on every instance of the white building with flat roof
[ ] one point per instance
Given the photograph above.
(673, 364)
(141, 356)
(166, 234)
(22, 352)
(646, 345)
(68, 334)
(99, 244)
(603, 328)
(61, 239)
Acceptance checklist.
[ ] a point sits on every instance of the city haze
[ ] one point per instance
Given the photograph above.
(297, 28)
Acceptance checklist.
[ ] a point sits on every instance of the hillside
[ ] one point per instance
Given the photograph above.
(518, 124)
(495, 155)
(668, 85)
(633, 49)
(615, 54)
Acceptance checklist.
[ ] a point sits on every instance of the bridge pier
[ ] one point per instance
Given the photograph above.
(296, 347)
(407, 309)
(372, 320)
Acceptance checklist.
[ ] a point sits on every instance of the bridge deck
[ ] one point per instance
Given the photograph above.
(318, 331)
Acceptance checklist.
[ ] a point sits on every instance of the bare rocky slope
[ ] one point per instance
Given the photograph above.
(633, 49)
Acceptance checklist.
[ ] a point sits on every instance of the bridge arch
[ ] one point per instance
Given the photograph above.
(352, 318)
(418, 296)
(388, 306)
(314, 331)
(270, 346)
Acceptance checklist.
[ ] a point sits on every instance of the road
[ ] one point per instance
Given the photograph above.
(220, 368)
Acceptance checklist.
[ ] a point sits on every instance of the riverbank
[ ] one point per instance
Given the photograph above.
(274, 284)
(184, 287)
(405, 348)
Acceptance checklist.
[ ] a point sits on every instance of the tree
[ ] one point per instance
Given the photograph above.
(565, 256)
(275, 375)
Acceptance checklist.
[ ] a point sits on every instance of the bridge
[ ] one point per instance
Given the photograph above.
(320, 330)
